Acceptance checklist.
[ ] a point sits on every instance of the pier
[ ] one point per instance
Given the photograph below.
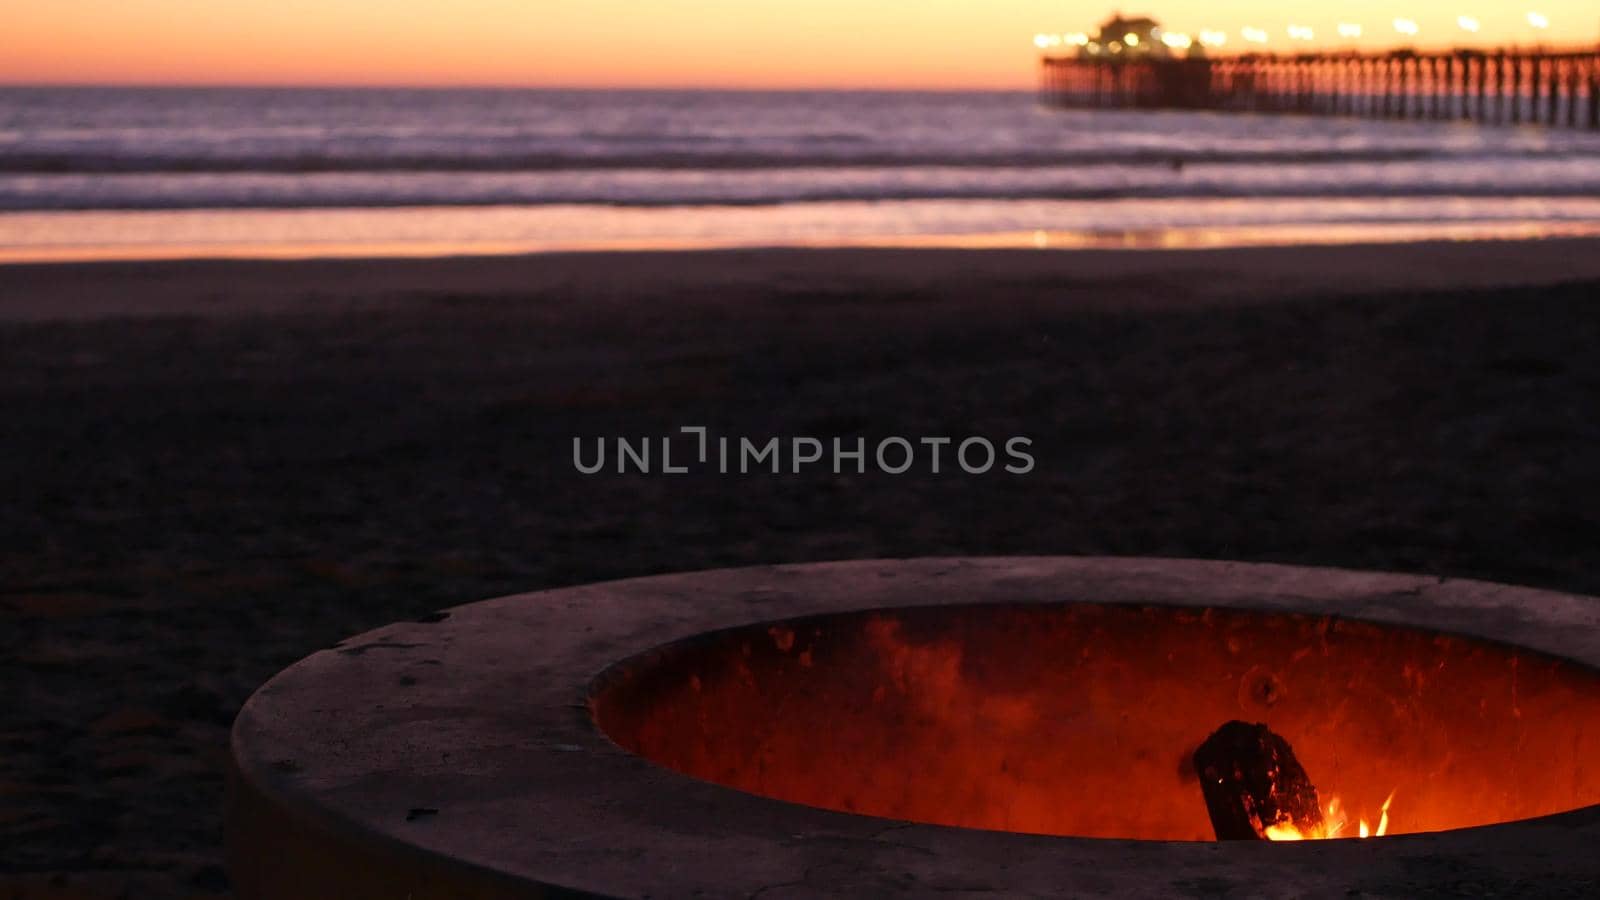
(1499, 87)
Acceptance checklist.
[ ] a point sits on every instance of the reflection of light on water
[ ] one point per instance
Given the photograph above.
(1240, 236)
(1044, 224)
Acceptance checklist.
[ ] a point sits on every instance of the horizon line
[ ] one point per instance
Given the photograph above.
(506, 86)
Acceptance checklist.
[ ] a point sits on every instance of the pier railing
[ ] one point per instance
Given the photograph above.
(1506, 87)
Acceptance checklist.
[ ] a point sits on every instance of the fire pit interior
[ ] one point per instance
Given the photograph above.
(640, 738)
(1083, 719)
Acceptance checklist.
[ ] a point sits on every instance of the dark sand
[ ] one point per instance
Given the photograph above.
(211, 470)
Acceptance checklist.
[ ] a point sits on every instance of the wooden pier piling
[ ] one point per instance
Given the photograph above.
(1498, 87)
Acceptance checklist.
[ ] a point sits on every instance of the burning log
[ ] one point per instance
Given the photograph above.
(1255, 789)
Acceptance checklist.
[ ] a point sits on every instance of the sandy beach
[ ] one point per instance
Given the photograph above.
(215, 468)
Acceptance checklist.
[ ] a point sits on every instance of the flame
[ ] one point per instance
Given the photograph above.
(1333, 824)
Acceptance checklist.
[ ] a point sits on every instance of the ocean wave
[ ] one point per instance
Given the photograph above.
(130, 149)
(1550, 177)
(100, 163)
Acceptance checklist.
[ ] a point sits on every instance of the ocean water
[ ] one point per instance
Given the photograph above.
(88, 173)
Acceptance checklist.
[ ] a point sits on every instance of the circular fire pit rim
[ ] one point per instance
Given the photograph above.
(454, 749)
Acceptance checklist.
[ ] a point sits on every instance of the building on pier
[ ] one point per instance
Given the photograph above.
(1135, 37)
(1491, 86)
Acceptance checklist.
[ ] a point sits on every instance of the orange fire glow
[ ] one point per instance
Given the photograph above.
(1334, 822)
(1081, 720)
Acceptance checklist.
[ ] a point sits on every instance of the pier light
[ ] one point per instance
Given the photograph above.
(1406, 27)
(1301, 33)
(1538, 20)
(1255, 35)
(1078, 39)
(1131, 39)
(1210, 38)
(1177, 40)
(1042, 41)
(1349, 30)
(1468, 23)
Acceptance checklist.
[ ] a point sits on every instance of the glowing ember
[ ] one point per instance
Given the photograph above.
(1334, 822)
(1256, 789)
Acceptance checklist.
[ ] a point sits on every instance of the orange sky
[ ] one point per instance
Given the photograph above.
(656, 43)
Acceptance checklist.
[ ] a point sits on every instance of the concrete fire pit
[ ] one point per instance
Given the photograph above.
(1005, 726)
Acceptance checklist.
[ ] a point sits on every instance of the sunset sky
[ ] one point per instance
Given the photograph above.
(657, 43)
